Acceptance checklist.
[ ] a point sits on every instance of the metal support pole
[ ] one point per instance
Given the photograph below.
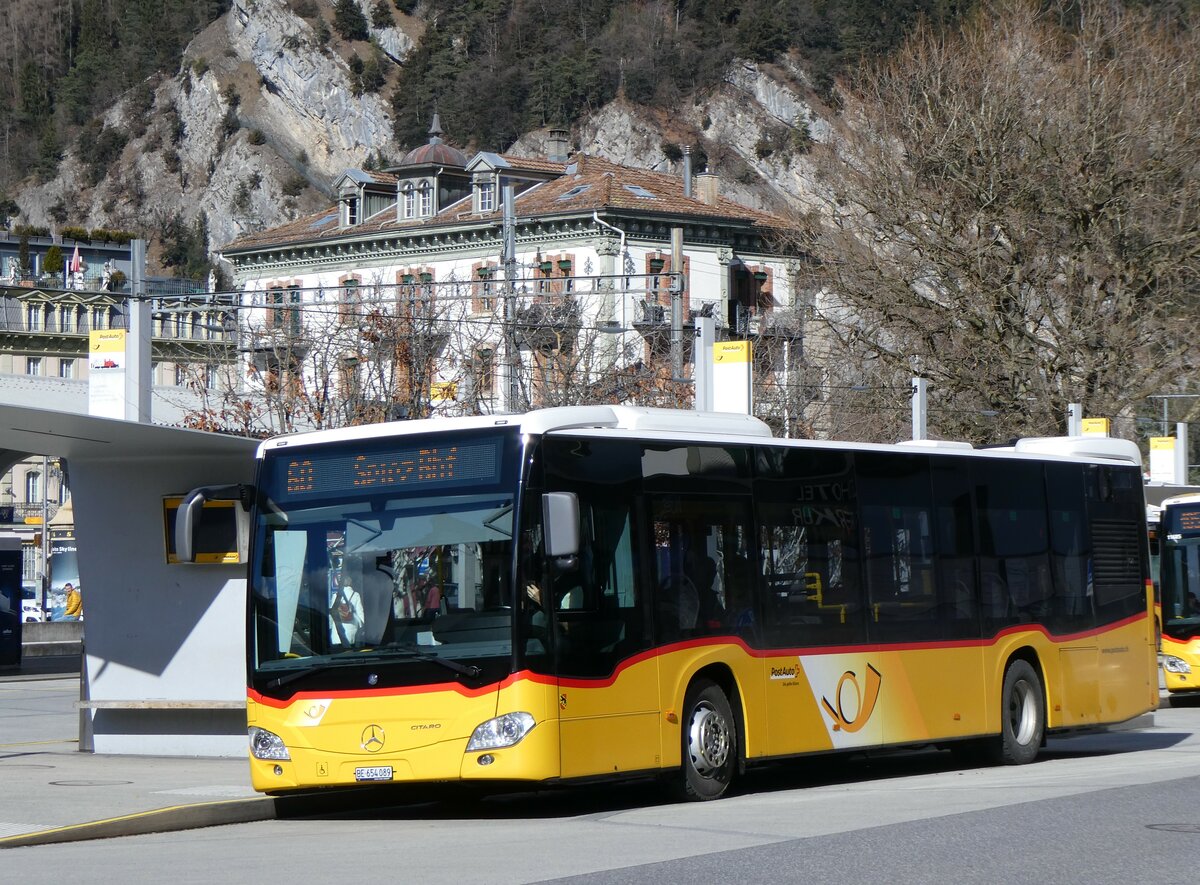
(703, 364)
(677, 284)
(509, 260)
(1181, 453)
(920, 408)
(45, 551)
(1074, 419)
(137, 339)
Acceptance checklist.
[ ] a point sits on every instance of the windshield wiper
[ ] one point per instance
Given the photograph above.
(411, 651)
(369, 656)
(299, 674)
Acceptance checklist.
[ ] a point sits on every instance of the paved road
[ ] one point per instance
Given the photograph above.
(1119, 807)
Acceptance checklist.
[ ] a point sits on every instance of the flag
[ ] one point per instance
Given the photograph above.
(76, 262)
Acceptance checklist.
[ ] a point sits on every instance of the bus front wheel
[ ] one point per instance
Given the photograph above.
(710, 743)
(1023, 716)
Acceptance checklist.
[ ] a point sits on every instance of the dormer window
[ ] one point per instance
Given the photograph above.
(408, 204)
(426, 200)
(352, 211)
(487, 197)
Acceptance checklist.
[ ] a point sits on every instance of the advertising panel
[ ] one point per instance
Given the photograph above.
(64, 599)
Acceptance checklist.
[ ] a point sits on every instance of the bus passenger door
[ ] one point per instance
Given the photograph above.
(607, 688)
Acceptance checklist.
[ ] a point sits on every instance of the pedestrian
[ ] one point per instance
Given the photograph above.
(74, 608)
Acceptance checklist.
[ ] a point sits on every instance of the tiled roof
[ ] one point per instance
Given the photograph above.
(585, 184)
(382, 177)
(370, 176)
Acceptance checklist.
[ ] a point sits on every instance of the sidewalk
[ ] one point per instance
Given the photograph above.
(53, 793)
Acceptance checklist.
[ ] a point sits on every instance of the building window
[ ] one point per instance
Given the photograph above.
(409, 197)
(352, 211)
(66, 319)
(349, 309)
(33, 487)
(33, 317)
(485, 289)
(426, 200)
(98, 318)
(181, 378)
(487, 197)
(179, 325)
(294, 310)
(280, 317)
(33, 365)
(66, 368)
(485, 374)
(210, 377)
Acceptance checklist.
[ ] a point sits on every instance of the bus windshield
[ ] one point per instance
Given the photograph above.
(1179, 578)
(393, 554)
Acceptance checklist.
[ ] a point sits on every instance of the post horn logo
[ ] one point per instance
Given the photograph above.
(373, 738)
(865, 701)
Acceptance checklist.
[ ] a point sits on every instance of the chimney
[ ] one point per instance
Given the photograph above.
(557, 145)
(709, 186)
(687, 170)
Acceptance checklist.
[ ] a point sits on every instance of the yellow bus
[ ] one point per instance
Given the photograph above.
(606, 592)
(1179, 594)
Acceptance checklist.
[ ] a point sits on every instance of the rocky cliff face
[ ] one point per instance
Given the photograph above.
(261, 119)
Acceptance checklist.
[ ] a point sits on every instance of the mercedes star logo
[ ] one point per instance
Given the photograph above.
(373, 738)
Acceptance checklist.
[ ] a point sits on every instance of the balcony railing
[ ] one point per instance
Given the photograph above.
(22, 511)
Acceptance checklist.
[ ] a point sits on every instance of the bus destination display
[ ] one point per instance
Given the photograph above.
(321, 473)
(1185, 521)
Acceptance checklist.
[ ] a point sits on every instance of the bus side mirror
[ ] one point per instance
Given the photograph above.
(560, 527)
(188, 516)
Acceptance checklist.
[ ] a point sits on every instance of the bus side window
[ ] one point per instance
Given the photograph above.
(1069, 549)
(807, 514)
(955, 543)
(898, 553)
(1010, 500)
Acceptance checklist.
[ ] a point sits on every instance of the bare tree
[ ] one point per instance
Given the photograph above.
(1010, 213)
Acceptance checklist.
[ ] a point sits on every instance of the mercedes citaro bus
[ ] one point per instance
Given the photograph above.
(1179, 595)
(601, 592)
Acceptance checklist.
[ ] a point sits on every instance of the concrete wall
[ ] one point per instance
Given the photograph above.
(39, 639)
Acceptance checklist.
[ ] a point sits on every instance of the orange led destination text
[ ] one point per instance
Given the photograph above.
(426, 465)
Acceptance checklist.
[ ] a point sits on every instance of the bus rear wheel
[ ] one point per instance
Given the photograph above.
(1022, 715)
(710, 743)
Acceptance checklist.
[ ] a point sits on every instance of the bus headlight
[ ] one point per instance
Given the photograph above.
(1173, 664)
(503, 731)
(267, 745)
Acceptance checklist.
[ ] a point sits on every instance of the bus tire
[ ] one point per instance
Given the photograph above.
(709, 742)
(1022, 715)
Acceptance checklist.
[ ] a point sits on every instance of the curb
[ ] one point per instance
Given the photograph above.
(160, 820)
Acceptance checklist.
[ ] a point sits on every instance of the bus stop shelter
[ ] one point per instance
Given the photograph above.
(164, 643)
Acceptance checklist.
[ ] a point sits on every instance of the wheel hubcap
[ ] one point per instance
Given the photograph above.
(1022, 713)
(708, 740)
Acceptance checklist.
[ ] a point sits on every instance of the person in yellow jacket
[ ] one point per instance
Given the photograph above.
(74, 607)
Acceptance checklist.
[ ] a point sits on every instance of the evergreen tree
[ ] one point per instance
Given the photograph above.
(23, 264)
(349, 21)
(53, 262)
